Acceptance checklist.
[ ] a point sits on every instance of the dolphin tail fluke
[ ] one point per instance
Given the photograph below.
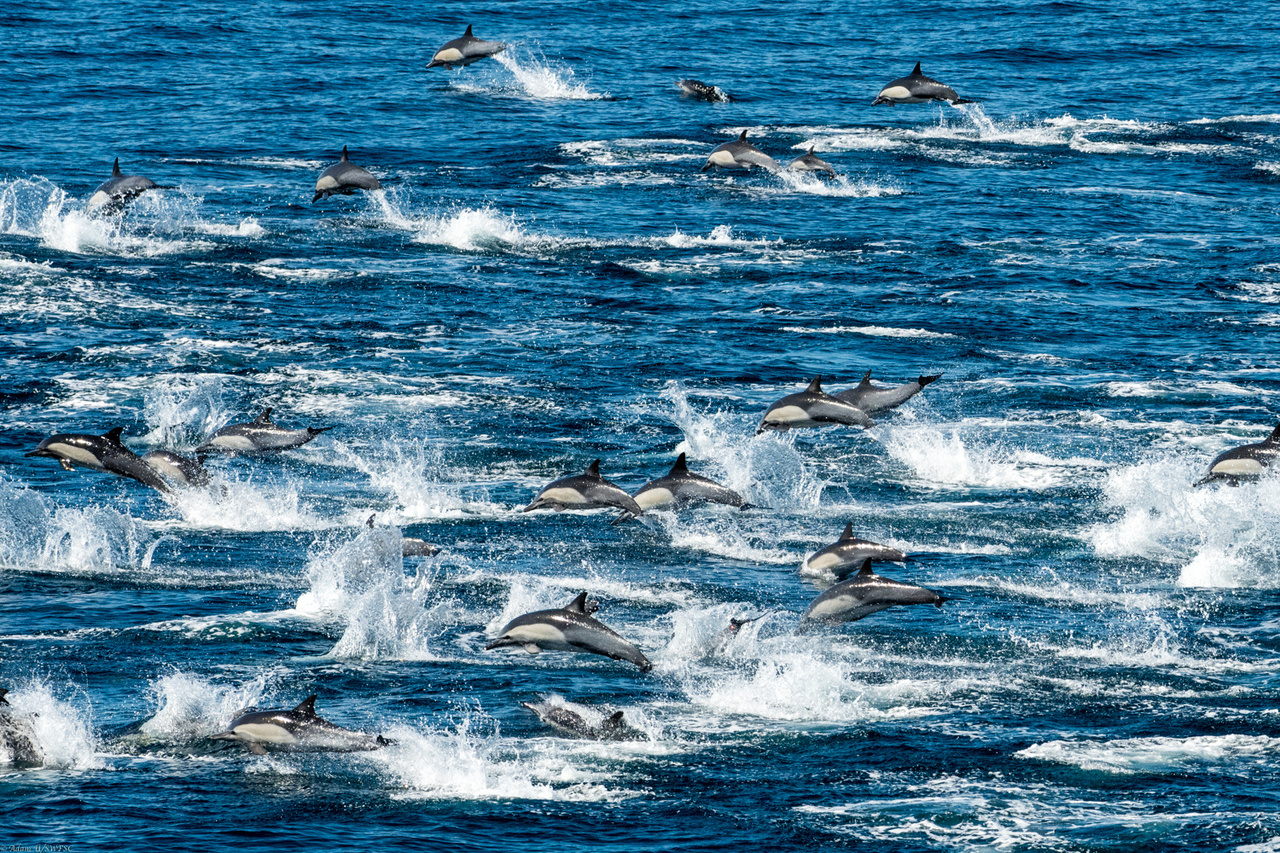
(314, 431)
(928, 380)
(624, 516)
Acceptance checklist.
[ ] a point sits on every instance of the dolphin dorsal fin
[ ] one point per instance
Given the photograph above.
(742, 137)
(3, 693)
(917, 72)
(114, 435)
(307, 707)
(115, 170)
(593, 470)
(613, 720)
(865, 571)
(344, 154)
(848, 532)
(681, 466)
(467, 34)
(264, 418)
(1274, 438)
(579, 604)
(815, 387)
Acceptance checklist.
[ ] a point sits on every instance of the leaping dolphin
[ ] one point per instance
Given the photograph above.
(584, 491)
(297, 728)
(740, 154)
(612, 727)
(811, 162)
(847, 553)
(812, 407)
(702, 91)
(568, 629)
(261, 435)
(344, 177)
(878, 398)
(916, 88)
(178, 470)
(862, 595)
(680, 488)
(465, 50)
(101, 453)
(120, 189)
(1247, 462)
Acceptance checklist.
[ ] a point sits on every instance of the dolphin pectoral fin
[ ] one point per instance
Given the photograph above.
(531, 648)
(66, 465)
(257, 749)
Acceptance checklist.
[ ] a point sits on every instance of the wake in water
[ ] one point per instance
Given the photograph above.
(536, 78)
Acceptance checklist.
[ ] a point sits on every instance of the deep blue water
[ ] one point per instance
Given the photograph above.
(1087, 253)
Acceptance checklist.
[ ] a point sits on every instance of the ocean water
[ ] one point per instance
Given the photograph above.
(1087, 253)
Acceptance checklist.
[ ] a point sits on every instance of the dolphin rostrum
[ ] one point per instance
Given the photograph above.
(260, 435)
(812, 407)
(1247, 462)
(101, 453)
(846, 554)
(863, 594)
(344, 177)
(740, 154)
(465, 50)
(120, 189)
(297, 728)
(878, 398)
(568, 629)
(916, 88)
(584, 491)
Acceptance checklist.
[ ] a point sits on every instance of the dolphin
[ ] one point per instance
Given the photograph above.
(344, 177)
(178, 470)
(916, 88)
(612, 727)
(411, 546)
(1247, 462)
(740, 154)
(584, 491)
(297, 728)
(260, 435)
(703, 91)
(568, 629)
(811, 163)
(680, 488)
(843, 556)
(19, 744)
(812, 407)
(862, 595)
(101, 453)
(120, 189)
(878, 398)
(721, 641)
(465, 50)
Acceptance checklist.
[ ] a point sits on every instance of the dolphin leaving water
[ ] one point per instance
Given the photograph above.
(261, 435)
(862, 595)
(297, 728)
(878, 398)
(680, 488)
(612, 727)
(465, 50)
(916, 88)
(1247, 462)
(101, 453)
(740, 154)
(846, 554)
(568, 629)
(584, 491)
(120, 189)
(344, 177)
(177, 470)
(702, 91)
(812, 407)
(811, 162)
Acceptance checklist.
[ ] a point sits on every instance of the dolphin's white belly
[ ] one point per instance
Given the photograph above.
(723, 158)
(77, 454)
(264, 733)
(98, 199)
(1239, 467)
(326, 182)
(449, 54)
(791, 415)
(233, 442)
(651, 498)
(820, 562)
(567, 496)
(541, 634)
(897, 93)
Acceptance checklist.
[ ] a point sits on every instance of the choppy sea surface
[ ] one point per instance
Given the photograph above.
(1087, 253)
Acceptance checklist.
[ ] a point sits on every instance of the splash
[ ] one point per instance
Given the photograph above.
(543, 80)
(1158, 755)
(939, 459)
(190, 707)
(61, 729)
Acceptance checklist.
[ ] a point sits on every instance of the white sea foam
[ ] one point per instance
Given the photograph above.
(1158, 755)
(191, 707)
(540, 79)
(957, 459)
(1271, 167)
(870, 331)
(62, 728)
